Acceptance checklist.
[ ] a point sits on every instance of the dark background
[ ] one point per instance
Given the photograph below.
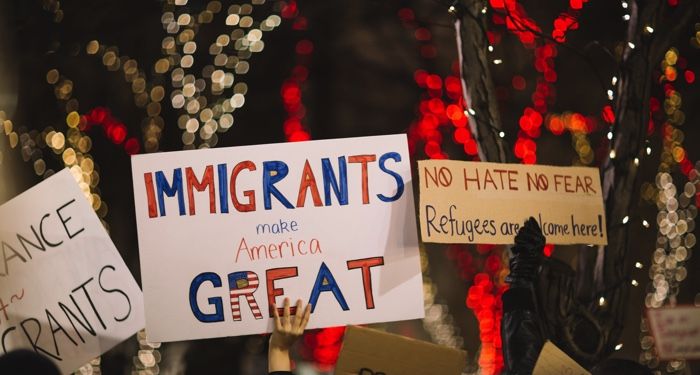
(360, 83)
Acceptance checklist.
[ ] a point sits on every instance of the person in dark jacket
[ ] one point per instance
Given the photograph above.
(522, 327)
(26, 362)
(286, 330)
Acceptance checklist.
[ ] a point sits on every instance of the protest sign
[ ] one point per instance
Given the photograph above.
(676, 331)
(475, 202)
(553, 361)
(367, 351)
(224, 233)
(64, 290)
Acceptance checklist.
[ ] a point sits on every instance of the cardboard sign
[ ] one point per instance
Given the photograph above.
(64, 290)
(474, 202)
(223, 233)
(553, 361)
(367, 352)
(676, 331)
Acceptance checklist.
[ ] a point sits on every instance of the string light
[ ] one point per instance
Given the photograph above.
(638, 265)
(614, 80)
(631, 45)
(206, 101)
(649, 29)
(497, 61)
(612, 154)
(437, 321)
(677, 212)
(645, 223)
(292, 89)
(501, 134)
(625, 219)
(490, 48)
(601, 301)
(618, 346)
(610, 94)
(624, 5)
(635, 283)
(471, 112)
(626, 17)
(610, 135)
(442, 103)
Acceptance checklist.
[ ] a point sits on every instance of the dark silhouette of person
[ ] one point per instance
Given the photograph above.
(26, 362)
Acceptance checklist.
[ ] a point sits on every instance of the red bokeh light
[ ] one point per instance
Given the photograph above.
(304, 47)
(689, 76)
(132, 146)
(518, 82)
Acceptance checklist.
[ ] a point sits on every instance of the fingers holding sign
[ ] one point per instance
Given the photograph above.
(287, 329)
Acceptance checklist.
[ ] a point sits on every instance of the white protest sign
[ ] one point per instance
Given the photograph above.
(64, 290)
(676, 331)
(223, 233)
(478, 202)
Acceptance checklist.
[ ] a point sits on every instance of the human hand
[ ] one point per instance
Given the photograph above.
(527, 254)
(529, 239)
(286, 330)
(289, 328)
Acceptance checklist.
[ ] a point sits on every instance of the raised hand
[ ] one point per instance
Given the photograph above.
(527, 253)
(287, 329)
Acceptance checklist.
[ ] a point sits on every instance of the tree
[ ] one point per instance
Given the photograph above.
(652, 28)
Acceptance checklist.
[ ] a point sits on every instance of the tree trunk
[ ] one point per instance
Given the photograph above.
(477, 85)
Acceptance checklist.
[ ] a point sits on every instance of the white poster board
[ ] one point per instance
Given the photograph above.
(676, 331)
(65, 292)
(223, 233)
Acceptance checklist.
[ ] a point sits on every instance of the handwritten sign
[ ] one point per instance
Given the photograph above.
(64, 290)
(224, 233)
(676, 331)
(553, 361)
(367, 351)
(474, 202)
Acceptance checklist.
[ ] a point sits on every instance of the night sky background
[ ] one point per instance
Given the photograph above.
(361, 82)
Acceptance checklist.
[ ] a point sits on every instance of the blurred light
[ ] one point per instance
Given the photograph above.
(635, 283)
(626, 17)
(610, 94)
(649, 29)
(648, 150)
(631, 45)
(497, 61)
(501, 134)
(614, 81)
(639, 265)
(624, 4)
(646, 225)
(490, 48)
(612, 154)
(610, 135)
(618, 346)
(601, 301)
(625, 219)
